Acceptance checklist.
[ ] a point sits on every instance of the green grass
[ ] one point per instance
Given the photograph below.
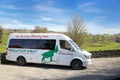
(4, 38)
(4, 41)
(99, 46)
(2, 48)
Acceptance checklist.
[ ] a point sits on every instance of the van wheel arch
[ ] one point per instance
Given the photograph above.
(76, 64)
(21, 61)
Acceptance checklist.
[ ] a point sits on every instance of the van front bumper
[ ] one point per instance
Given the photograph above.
(87, 62)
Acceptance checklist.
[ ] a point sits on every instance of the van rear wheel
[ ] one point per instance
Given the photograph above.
(76, 64)
(21, 61)
(3, 59)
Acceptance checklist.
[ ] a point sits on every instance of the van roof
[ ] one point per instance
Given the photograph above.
(38, 35)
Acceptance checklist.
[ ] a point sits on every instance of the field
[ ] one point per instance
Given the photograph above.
(99, 46)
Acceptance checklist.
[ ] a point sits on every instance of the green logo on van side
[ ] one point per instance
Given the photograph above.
(49, 54)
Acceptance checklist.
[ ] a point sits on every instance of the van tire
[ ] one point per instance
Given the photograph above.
(3, 58)
(21, 61)
(76, 64)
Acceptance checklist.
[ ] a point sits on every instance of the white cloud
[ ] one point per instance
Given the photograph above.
(51, 13)
(9, 7)
(46, 19)
(95, 28)
(9, 14)
(6, 20)
(100, 17)
(18, 26)
(49, 9)
(55, 27)
(15, 21)
(51, 27)
(89, 7)
(1, 12)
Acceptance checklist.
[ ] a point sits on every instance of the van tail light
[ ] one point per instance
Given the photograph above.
(6, 51)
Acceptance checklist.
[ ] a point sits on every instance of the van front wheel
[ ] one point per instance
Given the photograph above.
(76, 64)
(21, 61)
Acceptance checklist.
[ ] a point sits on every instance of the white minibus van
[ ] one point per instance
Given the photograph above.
(46, 48)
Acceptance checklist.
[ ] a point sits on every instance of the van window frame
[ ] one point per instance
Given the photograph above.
(71, 49)
(24, 43)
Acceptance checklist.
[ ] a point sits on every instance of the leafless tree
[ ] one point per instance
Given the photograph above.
(76, 30)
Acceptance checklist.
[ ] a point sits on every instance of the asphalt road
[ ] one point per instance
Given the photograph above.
(101, 69)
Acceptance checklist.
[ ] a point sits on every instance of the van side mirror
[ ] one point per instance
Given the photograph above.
(71, 49)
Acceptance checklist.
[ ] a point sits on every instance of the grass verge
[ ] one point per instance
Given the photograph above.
(2, 48)
(101, 47)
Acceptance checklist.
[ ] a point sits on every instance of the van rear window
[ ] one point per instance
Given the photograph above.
(33, 43)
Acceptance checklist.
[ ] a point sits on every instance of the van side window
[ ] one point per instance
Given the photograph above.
(65, 45)
(33, 43)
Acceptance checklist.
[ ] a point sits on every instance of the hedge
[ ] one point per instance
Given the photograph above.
(106, 53)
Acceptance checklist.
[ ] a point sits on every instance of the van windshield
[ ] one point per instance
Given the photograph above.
(74, 44)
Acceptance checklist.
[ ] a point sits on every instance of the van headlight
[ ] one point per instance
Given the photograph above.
(87, 56)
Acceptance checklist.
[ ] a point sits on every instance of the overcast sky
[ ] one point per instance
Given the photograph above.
(100, 16)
